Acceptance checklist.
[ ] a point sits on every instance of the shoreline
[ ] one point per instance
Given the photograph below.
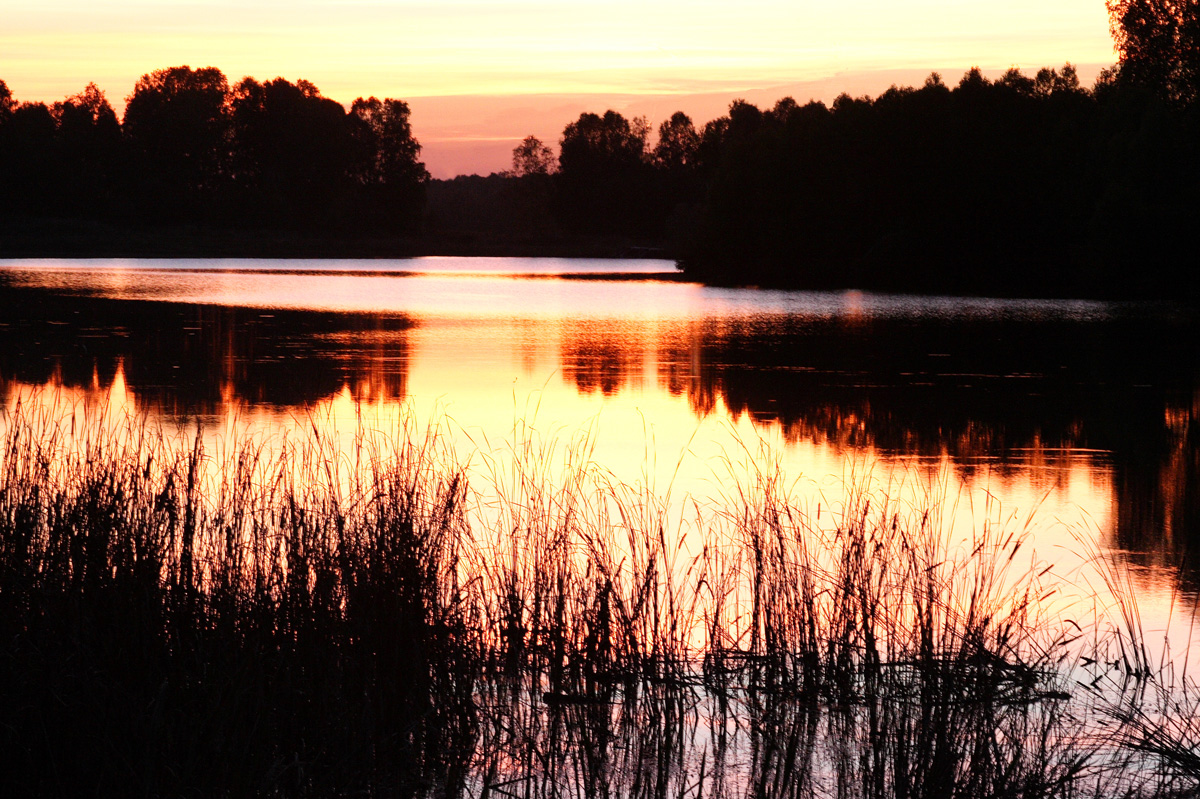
(42, 238)
(54, 238)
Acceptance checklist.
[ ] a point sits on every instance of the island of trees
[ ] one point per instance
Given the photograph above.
(1027, 184)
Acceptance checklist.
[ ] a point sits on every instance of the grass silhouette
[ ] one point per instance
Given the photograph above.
(298, 617)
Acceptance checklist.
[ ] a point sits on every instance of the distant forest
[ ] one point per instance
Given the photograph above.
(191, 149)
(1028, 184)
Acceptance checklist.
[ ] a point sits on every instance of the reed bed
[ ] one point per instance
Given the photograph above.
(298, 615)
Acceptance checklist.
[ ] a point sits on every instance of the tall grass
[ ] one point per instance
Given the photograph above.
(184, 615)
(174, 624)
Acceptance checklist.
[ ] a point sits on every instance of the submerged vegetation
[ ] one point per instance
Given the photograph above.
(188, 614)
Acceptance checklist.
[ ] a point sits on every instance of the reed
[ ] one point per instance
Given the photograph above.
(298, 615)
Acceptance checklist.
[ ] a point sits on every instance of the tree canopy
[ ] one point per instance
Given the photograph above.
(1159, 45)
(193, 149)
(605, 178)
(1028, 183)
(531, 157)
(177, 124)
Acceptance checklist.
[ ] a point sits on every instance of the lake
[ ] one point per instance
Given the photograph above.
(1069, 424)
(1081, 412)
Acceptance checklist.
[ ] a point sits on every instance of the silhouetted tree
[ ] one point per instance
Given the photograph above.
(602, 141)
(677, 143)
(7, 103)
(293, 153)
(192, 150)
(677, 160)
(391, 173)
(1050, 81)
(745, 119)
(393, 153)
(1027, 185)
(531, 157)
(177, 121)
(88, 110)
(604, 177)
(1017, 82)
(712, 140)
(89, 146)
(27, 159)
(1159, 45)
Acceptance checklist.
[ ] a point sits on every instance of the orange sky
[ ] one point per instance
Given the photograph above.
(480, 74)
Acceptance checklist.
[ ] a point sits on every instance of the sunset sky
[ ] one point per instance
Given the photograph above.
(480, 74)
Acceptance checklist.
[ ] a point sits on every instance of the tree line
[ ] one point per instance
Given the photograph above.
(1018, 185)
(193, 149)
(1024, 184)
(1030, 184)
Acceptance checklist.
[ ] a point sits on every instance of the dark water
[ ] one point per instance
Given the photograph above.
(1083, 412)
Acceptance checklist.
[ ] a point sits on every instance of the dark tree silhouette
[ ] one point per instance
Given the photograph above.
(609, 141)
(191, 151)
(1159, 45)
(677, 143)
(87, 111)
(1028, 185)
(89, 146)
(392, 177)
(7, 103)
(7, 106)
(605, 180)
(531, 157)
(1018, 83)
(392, 152)
(293, 153)
(1049, 81)
(28, 159)
(177, 121)
(677, 159)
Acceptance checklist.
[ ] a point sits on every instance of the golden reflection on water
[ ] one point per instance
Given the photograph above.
(675, 389)
(707, 467)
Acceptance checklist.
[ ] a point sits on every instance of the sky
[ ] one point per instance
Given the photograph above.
(481, 74)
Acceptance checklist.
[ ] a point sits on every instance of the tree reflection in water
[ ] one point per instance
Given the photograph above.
(992, 392)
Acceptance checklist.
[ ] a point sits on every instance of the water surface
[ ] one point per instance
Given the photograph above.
(1079, 414)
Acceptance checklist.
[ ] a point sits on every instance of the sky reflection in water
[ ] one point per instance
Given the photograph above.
(1079, 412)
(389, 286)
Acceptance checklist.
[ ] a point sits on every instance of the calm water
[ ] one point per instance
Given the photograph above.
(1081, 415)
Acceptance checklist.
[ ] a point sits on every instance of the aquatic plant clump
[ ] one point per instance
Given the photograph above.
(311, 615)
